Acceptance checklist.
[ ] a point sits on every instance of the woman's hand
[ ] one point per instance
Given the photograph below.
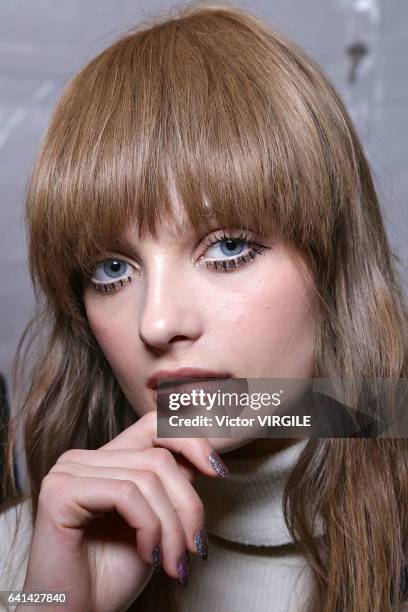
(101, 513)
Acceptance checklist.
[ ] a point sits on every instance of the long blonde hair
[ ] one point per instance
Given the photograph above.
(230, 109)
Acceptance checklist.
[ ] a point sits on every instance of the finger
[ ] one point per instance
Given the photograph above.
(143, 434)
(172, 537)
(74, 501)
(182, 495)
(80, 455)
(187, 469)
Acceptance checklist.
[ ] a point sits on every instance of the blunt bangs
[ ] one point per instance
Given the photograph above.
(202, 107)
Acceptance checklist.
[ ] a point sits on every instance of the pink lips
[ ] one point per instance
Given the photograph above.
(171, 381)
(184, 373)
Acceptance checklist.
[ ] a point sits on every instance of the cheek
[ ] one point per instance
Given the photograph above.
(270, 328)
(113, 327)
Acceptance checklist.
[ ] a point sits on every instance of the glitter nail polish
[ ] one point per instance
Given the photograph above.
(218, 465)
(156, 557)
(201, 542)
(182, 570)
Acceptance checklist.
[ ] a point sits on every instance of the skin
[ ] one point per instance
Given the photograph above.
(259, 322)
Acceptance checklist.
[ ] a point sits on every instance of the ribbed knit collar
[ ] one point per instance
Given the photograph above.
(246, 507)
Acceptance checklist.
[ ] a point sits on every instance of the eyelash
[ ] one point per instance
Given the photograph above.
(220, 265)
(224, 265)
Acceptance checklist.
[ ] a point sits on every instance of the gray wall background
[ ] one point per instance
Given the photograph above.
(43, 43)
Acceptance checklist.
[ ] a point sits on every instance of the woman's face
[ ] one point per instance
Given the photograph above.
(255, 320)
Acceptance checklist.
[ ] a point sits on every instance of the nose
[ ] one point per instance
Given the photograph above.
(170, 311)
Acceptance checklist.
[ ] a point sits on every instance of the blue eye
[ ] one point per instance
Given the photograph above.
(114, 268)
(118, 271)
(230, 246)
(237, 251)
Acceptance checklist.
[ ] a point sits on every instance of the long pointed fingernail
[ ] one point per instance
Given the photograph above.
(156, 557)
(218, 465)
(201, 542)
(182, 570)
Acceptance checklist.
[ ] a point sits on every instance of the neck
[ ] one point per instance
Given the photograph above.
(247, 506)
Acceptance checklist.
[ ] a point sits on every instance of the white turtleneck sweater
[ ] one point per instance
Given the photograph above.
(253, 563)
